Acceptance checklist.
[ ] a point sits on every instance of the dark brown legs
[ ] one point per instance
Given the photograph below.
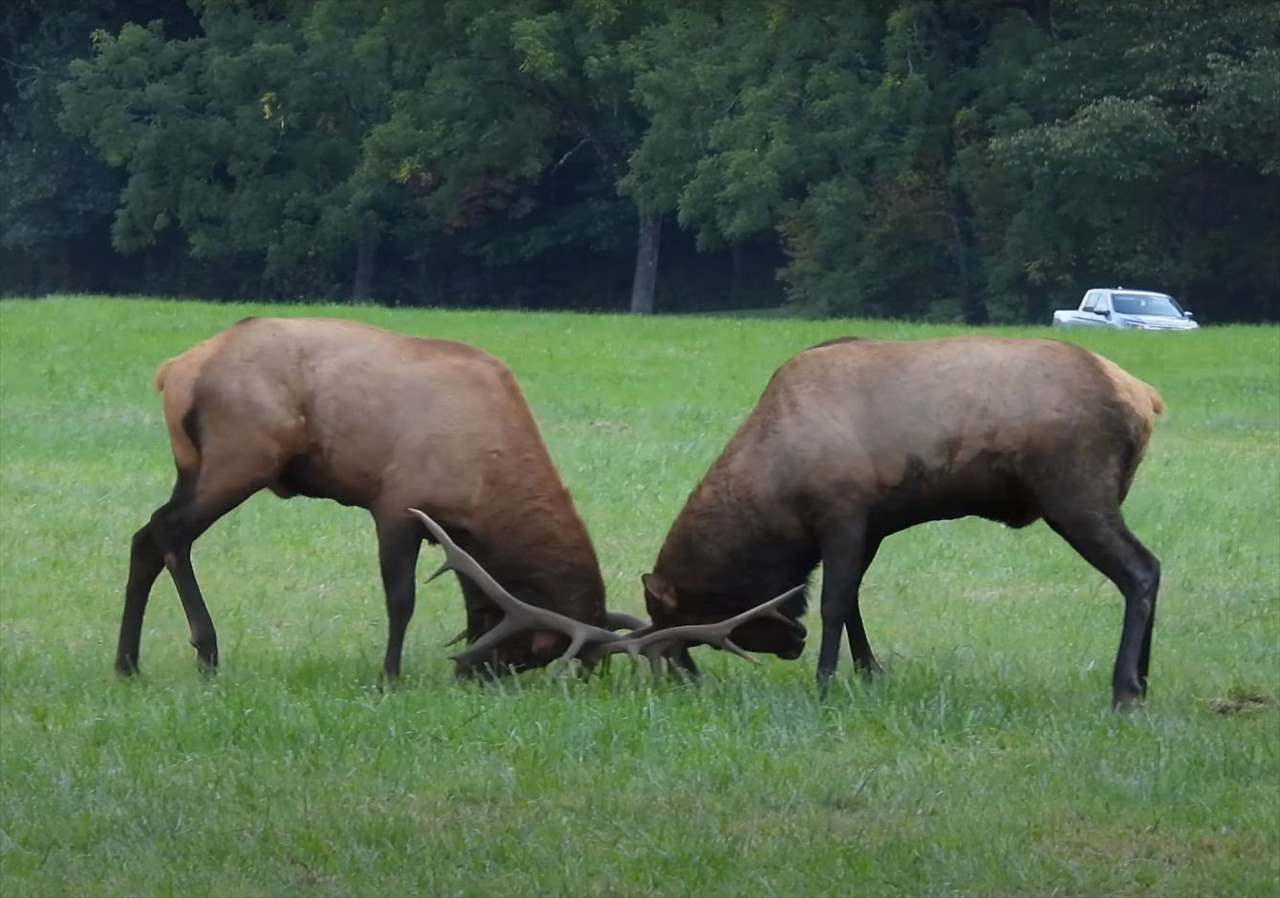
(145, 564)
(846, 555)
(1105, 542)
(399, 539)
(684, 663)
(165, 542)
(482, 617)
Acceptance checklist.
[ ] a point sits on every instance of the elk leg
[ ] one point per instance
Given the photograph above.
(219, 487)
(1106, 543)
(481, 618)
(174, 533)
(146, 561)
(1144, 658)
(145, 564)
(398, 543)
(684, 662)
(842, 566)
(863, 658)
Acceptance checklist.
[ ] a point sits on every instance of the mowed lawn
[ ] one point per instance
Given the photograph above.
(985, 761)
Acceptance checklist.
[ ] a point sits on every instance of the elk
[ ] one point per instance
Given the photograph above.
(369, 418)
(854, 440)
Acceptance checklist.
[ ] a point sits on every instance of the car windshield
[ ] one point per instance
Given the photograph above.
(1146, 304)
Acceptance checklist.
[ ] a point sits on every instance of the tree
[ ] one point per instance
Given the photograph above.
(946, 159)
(245, 137)
(830, 124)
(504, 98)
(1151, 162)
(57, 196)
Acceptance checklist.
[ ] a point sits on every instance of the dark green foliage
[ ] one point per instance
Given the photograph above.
(56, 195)
(944, 159)
(1155, 161)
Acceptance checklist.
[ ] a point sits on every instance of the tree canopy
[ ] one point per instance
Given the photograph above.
(975, 160)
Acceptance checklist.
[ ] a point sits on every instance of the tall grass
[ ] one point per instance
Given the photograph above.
(985, 761)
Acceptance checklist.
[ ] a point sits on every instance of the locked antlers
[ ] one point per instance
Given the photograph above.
(587, 642)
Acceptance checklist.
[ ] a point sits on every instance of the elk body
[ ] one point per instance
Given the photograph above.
(855, 440)
(374, 419)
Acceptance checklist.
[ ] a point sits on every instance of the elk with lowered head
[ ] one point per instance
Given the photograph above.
(370, 418)
(855, 440)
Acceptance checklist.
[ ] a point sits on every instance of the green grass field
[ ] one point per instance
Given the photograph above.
(986, 761)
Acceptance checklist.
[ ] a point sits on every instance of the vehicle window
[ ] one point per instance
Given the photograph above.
(1147, 304)
(1090, 300)
(1104, 301)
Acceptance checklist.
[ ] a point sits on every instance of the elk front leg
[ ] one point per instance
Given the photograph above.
(684, 662)
(399, 539)
(843, 562)
(863, 659)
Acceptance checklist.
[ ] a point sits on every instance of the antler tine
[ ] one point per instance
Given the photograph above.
(474, 652)
(730, 646)
(716, 634)
(618, 620)
(518, 616)
(775, 614)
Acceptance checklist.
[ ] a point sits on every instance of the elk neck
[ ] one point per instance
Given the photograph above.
(728, 551)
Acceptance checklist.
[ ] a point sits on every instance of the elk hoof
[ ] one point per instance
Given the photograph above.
(1123, 703)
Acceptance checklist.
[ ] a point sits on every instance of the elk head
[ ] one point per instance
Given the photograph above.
(775, 634)
(589, 643)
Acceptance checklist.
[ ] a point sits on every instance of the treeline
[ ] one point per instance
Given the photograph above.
(969, 160)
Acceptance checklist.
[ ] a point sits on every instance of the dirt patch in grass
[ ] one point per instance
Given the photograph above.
(1243, 701)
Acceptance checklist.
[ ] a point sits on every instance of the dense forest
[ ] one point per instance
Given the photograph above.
(974, 160)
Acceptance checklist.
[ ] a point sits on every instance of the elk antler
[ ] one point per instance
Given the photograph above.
(597, 642)
(617, 620)
(517, 616)
(656, 643)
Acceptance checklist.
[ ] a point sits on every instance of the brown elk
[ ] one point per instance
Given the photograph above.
(370, 418)
(374, 419)
(854, 440)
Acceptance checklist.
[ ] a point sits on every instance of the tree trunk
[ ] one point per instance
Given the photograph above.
(646, 279)
(366, 264)
(972, 306)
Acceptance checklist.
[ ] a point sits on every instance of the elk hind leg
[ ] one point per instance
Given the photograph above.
(146, 561)
(225, 479)
(1103, 539)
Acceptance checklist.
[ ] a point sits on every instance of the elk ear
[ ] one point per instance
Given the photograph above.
(660, 589)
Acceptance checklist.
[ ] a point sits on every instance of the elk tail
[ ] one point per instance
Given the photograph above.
(158, 383)
(1157, 403)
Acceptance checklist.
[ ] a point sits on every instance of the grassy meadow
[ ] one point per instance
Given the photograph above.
(986, 760)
